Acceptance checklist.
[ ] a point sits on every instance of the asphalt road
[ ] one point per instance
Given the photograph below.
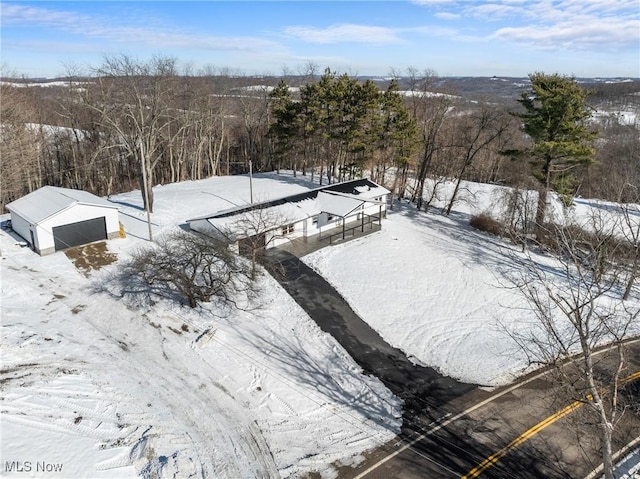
(552, 437)
(457, 430)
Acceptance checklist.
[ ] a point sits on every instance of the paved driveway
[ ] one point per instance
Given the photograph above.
(453, 428)
(422, 388)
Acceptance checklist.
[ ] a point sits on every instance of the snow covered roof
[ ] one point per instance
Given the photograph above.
(252, 221)
(335, 204)
(362, 189)
(49, 200)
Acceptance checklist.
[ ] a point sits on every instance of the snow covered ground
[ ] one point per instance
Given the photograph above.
(94, 386)
(434, 287)
(101, 387)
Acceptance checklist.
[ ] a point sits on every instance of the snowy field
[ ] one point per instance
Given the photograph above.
(435, 288)
(94, 387)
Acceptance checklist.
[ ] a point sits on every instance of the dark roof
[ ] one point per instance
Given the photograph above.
(346, 187)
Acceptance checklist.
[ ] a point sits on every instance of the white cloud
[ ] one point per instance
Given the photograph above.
(113, 30)
(441, 32)
(343, 33)
(448, 16)
(579, 35)
(496, 11)
(593, 25)
(599, 6)
(18, 14)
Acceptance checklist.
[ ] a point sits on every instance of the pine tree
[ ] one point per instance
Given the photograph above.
(284, 127)
(398, 137)
(555, 119)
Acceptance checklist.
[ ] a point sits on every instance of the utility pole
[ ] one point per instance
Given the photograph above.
(251, 181)
(143, 160)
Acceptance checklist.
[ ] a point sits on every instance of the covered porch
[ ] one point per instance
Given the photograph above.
(345, 232)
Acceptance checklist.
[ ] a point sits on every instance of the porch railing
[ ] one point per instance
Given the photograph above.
(367, 221)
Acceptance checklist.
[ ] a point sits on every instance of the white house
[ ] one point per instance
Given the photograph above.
(51, 218)
(305, 215)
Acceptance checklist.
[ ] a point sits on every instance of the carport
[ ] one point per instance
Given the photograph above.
(344, 206)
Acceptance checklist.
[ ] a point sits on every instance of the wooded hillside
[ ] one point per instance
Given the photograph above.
(97, 133)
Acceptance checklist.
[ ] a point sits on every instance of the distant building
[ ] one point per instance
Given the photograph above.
(52, 219)
(303, 215)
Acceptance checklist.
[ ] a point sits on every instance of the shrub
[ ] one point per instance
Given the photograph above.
(484, 222)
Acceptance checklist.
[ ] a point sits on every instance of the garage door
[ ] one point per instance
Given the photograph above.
(82, 232)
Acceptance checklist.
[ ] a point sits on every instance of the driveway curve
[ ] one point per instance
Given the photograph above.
(421, 388)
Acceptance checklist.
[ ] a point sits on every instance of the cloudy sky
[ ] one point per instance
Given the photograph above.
(450, 37)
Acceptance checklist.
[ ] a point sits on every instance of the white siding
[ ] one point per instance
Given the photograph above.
(277, 239)
(21, 226)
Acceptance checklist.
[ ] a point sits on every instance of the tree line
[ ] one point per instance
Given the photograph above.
(101, 132)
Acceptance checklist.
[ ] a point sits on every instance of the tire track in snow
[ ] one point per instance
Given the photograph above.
(208, 422)
(204, 422)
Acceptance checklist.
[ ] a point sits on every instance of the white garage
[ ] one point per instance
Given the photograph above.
(52, 219)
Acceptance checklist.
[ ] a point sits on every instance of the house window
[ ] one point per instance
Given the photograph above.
(329, 218)
(288, 229)
(314, 220)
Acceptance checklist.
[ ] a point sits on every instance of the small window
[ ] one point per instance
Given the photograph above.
(330, 218)
(288, 229)
(314, 220)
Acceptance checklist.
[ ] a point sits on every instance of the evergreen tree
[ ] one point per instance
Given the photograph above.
(555, 119)
(398, 137)
(284, 127)
(340, 122)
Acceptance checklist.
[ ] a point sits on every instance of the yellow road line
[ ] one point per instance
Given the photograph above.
(631, 378)
(529, 433)
(466, 412)
(491, 460)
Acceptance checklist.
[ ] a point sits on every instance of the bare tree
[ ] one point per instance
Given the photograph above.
(631, 230)
(257, 228)
(430, 109)
(518, 208)
(577, 311)
(190, 266)
(132, 100)
(254, 110)
(309, 71)
(476, 134)
(20, 145)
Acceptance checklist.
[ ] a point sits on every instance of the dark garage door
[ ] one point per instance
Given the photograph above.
(82, 232)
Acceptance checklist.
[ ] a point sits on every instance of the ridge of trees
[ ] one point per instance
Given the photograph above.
(97, 131)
